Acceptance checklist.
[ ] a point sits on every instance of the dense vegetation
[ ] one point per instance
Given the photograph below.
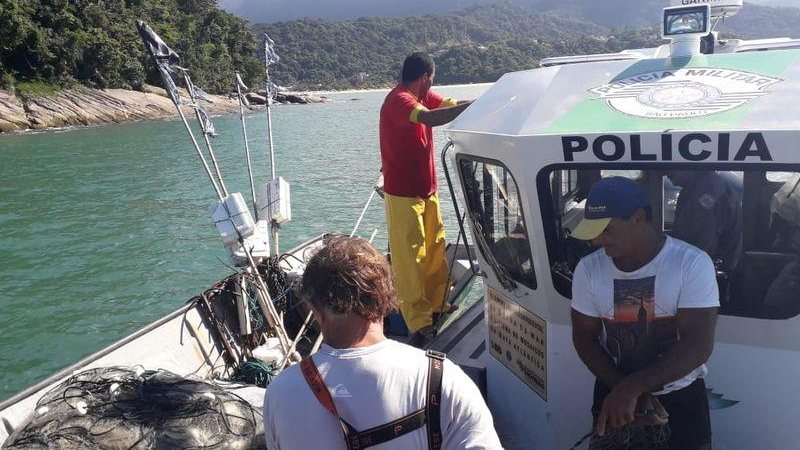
(478, 44)
(610, 13)
(481, 43)
(95, 42)
(45, 44)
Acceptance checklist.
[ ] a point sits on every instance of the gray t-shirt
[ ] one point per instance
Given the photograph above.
(372, 386)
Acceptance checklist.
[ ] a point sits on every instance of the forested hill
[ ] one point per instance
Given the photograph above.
(49, 44)
(604, 12)
(481, 43)
(478, 44)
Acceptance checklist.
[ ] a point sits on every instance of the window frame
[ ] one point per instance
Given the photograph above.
(462, 157)
(549, 218)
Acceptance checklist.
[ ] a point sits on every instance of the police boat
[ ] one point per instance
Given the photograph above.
(520, 161)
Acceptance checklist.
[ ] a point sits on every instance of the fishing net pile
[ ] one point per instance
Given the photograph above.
(632, 437)
(120, 408)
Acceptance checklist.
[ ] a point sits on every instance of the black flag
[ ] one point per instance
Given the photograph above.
(157, 48)
(166, 60)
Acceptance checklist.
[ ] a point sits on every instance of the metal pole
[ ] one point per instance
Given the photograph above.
(364, 210)
(199, 152)
(246, 147)
(269, 124)
(190, 88)
(317, 344)
(265, 302)
(273, 225)
(288, 356)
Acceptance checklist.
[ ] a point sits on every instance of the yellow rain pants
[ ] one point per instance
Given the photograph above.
(419, 267)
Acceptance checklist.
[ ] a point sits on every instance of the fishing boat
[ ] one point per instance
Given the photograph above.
(196, 377)
(519, 162)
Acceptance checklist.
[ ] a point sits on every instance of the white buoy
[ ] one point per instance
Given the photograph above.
(81, 407)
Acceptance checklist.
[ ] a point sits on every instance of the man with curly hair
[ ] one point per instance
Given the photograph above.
(362, 389)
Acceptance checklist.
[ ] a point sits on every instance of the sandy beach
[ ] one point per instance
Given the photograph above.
(349, 91)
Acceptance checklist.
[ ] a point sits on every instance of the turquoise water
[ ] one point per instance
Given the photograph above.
(106, 229)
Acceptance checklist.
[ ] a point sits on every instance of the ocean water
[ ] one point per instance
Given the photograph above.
(104, 230)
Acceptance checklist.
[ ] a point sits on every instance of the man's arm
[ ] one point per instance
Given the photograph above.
(585, 337)
(441, 116)
(696, 330)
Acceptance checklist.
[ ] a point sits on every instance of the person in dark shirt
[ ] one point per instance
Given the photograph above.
(708, 214)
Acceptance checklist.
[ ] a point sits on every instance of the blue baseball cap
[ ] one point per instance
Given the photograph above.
(609, 198)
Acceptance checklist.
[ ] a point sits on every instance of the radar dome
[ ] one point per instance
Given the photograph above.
(719, 8)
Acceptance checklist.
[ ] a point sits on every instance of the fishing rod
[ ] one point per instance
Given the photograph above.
(237, 224)
(239, 86)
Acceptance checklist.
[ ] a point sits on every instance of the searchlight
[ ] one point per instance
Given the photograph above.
(685, 27)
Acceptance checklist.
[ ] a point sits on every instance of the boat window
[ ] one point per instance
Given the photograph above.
(753, 238)
(494, 211)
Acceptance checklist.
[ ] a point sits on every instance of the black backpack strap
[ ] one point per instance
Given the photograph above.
(433, 398)
(389, 431)
(430, 414)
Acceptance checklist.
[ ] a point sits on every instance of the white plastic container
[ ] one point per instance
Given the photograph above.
(257, 243)
(270, 352)
(274, 201)
(233, 219)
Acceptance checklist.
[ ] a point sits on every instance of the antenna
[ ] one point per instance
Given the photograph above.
(720, 9)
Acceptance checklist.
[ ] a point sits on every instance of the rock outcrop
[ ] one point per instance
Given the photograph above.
(259, 98)
(85, 106)
(12, 113)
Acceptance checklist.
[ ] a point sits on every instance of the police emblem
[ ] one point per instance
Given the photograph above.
(683, 93)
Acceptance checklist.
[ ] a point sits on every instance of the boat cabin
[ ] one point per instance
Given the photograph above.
(525, 155)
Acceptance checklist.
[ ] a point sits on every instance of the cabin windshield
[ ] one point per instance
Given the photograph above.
(746, 218)
(494, 210)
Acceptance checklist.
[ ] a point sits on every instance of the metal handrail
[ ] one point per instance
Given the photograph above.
(475, 269)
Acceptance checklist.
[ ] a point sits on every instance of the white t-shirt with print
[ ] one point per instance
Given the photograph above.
(638, 308)
(372, 386)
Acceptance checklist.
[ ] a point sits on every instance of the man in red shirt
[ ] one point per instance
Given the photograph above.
(416, 231)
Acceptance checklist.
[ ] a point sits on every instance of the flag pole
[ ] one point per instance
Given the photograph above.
(206, 132)
(162, 54)
(167, 60)
(239, 85)
(269, 58)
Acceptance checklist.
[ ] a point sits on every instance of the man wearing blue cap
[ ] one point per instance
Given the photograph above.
(644, 308)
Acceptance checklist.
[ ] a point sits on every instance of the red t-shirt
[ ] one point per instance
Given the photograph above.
(406, 145)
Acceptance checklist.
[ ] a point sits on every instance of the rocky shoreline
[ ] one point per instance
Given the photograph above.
(85, 106)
